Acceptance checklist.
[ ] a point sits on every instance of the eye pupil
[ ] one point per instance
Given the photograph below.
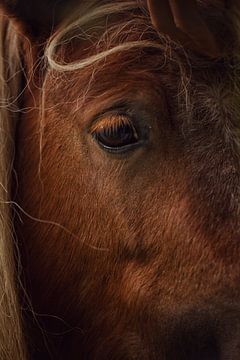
(116, 136)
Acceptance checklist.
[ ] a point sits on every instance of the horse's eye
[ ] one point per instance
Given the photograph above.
(116, 133)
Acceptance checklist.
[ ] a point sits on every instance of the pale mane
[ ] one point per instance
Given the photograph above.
(99, 12)
(11, 334)
(101, 15)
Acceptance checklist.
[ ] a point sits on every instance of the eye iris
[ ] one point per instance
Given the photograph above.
(117, 136)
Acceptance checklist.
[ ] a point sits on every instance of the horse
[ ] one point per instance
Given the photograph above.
(120, 180)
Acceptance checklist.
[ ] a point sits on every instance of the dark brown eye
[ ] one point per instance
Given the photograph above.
(116, 133)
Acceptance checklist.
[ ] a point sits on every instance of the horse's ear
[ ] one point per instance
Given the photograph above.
(37, 18)
(181, 20)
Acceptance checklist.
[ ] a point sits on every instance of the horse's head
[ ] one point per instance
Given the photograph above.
(128, 187)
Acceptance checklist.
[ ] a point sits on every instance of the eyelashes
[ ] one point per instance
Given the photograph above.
(111, 122)
(115, 133)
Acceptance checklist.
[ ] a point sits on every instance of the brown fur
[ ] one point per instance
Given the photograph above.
(133, 256)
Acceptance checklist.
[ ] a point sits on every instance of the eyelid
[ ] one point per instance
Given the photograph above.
(111, 122)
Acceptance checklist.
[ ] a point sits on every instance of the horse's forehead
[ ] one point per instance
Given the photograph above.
(212, 89)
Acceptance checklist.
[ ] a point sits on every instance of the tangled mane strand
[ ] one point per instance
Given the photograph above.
(11, 332)
(96, 12)
(92, 11)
